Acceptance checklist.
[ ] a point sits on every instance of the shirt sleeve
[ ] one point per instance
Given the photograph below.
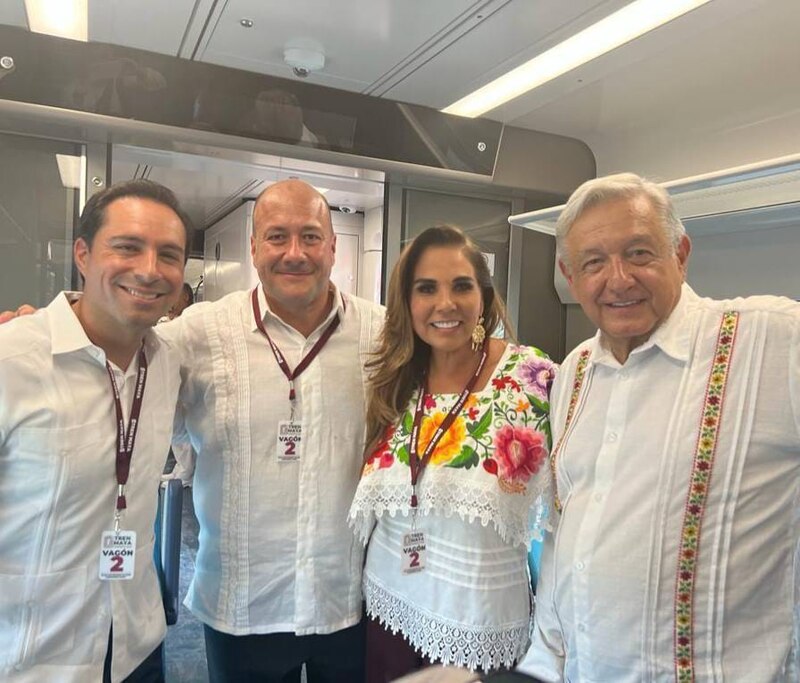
(175, 333)
(794, 375)
(4, 404)
(545, 657)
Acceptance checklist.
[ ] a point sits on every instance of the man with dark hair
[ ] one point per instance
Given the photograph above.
(93, 215)
(185, 300)
(87, 395)
(273, 397)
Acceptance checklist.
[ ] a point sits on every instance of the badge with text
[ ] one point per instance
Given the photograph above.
(117, 555)
(413, 556)
(290, 438)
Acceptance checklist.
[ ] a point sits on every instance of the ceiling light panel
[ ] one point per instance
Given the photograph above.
(615, 30)
(63, 18)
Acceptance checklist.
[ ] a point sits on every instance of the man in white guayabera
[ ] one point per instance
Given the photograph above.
(87, 397)
(676, 454)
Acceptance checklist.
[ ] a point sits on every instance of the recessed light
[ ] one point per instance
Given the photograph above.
(69, 168)
(247, 23)
(63, 18)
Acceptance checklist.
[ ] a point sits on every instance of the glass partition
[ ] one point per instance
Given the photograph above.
(484, 220)
(39, 203)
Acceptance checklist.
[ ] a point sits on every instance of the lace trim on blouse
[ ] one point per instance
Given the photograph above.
(470, 647)
(467, 500)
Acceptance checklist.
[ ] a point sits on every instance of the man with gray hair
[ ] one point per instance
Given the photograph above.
(676, 458)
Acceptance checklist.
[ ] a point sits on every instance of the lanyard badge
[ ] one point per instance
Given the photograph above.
(117, 555)
(118, 547)
(414, 545)
(290, 432)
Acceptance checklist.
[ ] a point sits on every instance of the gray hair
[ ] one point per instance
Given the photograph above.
(621, 185)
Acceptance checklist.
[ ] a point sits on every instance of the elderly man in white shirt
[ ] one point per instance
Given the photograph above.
(87, 395)
(677, 463)
(273, 404)
(676, 457)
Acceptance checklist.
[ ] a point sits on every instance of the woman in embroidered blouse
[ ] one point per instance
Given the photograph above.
(445, 578)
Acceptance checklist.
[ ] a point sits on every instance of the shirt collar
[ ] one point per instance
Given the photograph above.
(67, 334)
(673, 336)
(268, 314)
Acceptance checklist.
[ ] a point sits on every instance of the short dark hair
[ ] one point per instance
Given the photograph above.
(94, 213)
(189, 292)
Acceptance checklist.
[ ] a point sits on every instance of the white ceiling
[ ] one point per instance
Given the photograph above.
(715, 88)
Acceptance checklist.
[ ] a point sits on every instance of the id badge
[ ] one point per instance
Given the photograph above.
(290, 439)
(413, 555)
(117, 555)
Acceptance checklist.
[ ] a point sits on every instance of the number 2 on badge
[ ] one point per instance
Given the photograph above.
(117, 555)
(290, 439)
(413, 552)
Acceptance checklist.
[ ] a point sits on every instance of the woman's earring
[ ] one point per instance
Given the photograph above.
(478, 335)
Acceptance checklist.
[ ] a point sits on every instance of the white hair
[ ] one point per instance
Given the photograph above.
(611, 187)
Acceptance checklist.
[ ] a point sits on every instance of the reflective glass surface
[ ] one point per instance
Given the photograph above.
(37, 215)
(145, 86)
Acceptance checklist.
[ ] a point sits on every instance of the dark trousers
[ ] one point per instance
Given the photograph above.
(151, 670)
(279, 657)
(389, 655)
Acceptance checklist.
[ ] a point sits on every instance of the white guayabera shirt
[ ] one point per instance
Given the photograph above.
(633, 475)
(57, 495)
(275, 553)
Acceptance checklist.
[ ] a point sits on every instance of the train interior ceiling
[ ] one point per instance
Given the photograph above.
(219, 98)
(708, 102)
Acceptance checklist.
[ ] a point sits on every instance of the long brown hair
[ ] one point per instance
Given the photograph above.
(402, 357)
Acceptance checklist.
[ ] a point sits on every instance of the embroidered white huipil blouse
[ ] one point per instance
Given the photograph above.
(470, 606)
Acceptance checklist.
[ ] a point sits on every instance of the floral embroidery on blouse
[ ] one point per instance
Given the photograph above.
(503, 429)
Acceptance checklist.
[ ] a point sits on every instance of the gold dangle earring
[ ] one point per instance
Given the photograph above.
(478, 335)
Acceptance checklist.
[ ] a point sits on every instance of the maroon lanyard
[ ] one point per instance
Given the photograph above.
(126, 441)
(416, 464)
(310, 356)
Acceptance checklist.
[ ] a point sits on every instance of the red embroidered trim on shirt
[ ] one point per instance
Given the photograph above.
(697, 496)
(577, 383)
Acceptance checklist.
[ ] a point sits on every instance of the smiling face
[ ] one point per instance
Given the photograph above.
(133, 271)
(293, 246)
(445, 300)
(623, 271)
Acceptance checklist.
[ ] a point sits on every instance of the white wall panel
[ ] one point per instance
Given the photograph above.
(144, 24)
(756, 262)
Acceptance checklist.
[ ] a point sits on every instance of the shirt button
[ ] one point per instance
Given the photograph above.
(598, 497)
(580, 566)
(612, 436)
(581, 628)
(623, 374)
